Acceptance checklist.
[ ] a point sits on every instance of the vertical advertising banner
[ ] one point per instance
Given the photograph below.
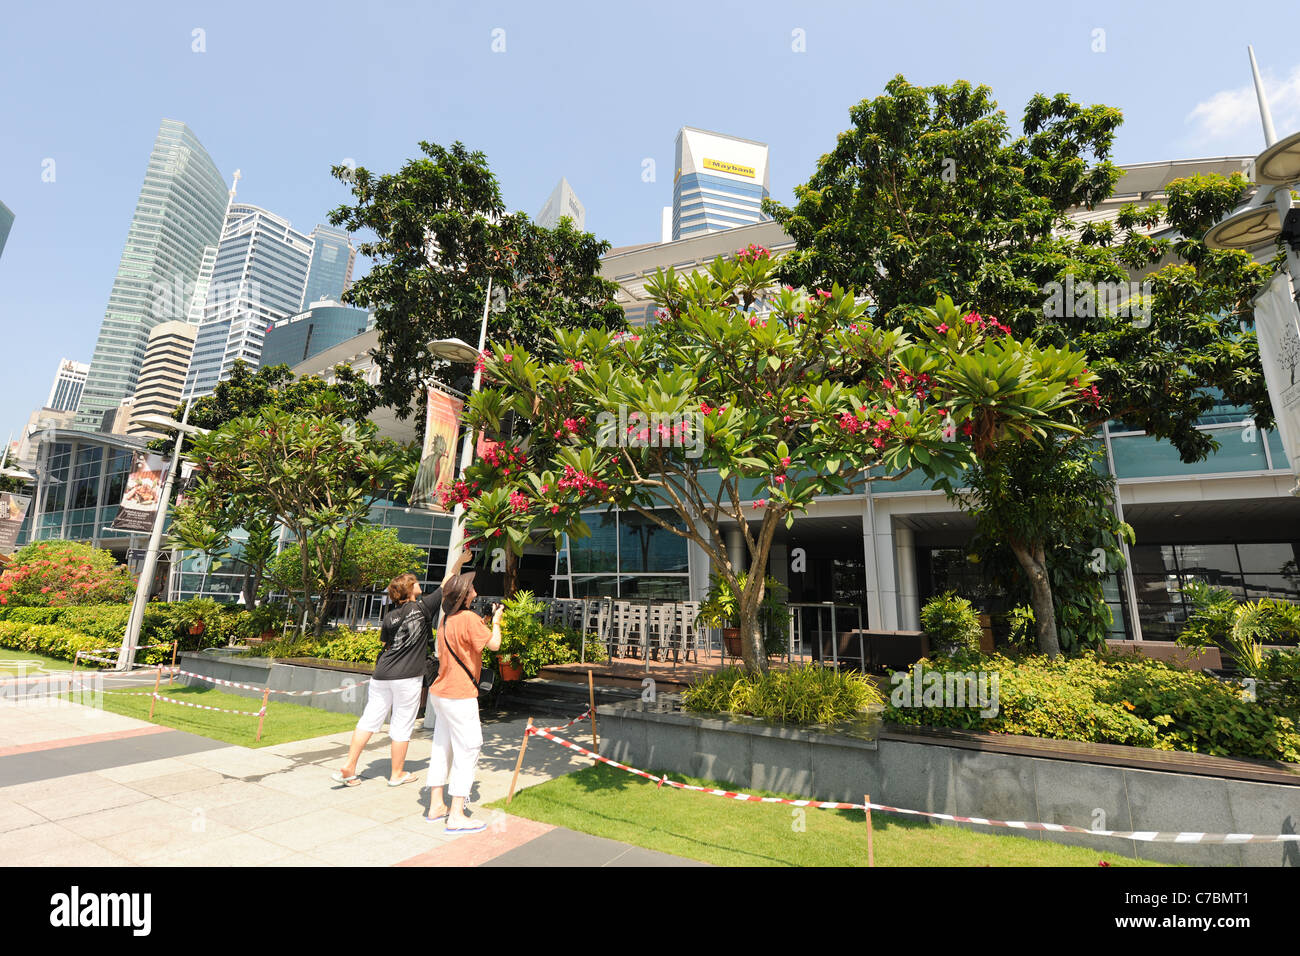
(1279, 354)
(12, 510)
(438, 458)
(187, 482)
(143, 493)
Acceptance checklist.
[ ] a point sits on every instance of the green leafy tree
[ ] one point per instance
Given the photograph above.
(930, 192)
(247, 392)
(738, 394)
(371, 557)
(1059, 524)
(313, 472)
(440, 233)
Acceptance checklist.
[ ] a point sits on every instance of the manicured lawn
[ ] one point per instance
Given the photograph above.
(9, 667)
(284, 721)
(612, 803)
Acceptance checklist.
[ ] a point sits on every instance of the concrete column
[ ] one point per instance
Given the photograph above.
(736, 549)
(871, 569)
(909, 604)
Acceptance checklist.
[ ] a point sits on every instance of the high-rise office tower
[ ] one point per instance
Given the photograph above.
(258, 277)
(178, 214)
(720, 183)
(6, 221)
(563, 201)
(69, 380)
(330, 272)
(162, 376)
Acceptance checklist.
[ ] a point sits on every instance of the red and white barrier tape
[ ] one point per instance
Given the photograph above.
(1144, 836)
(220, 710)
(287, 693)
(582, 716)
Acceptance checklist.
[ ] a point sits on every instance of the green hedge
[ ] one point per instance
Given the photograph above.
(62, 643)
(1113, 699)
(104, 626)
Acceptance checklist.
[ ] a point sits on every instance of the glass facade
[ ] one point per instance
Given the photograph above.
(179, 213)
(299, 337)
(626, 556)
(330, 271)
(81, 481)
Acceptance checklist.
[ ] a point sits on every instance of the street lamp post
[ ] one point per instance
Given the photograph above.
(142, 588)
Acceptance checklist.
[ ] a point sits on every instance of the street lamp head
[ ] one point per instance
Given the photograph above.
(1279, 165)
(1245, 228)
(453, 350)
(169, 423)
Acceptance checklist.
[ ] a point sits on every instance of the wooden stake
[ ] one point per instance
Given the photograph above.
(172, 676)
(154, 699)
(262, 716)
(871, 849)
(591, 696)
(519, 763)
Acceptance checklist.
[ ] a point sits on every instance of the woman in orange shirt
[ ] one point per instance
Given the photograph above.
(457, 734)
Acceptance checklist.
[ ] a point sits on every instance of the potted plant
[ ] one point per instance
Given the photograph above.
(720, 609)
(520, 630)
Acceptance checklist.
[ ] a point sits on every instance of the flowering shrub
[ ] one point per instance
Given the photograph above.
(56, 573)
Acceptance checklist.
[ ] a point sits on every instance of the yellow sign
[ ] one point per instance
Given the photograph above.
(733, 168)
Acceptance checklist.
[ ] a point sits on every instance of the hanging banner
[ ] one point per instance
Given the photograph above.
(1279, 354)
(13, 508)
(438, 458)
(187, 482)
(143, 491)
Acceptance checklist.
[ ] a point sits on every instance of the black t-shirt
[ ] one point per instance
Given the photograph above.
(406, 633)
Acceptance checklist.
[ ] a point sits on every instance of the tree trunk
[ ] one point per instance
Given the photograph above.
(751, 636)
(511, 582)
(1034, 564)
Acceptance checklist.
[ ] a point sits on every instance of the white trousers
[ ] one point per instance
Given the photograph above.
(457, 739)
(402, 697)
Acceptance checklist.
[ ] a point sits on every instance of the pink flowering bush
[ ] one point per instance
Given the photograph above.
(740, 405)
(63, 573)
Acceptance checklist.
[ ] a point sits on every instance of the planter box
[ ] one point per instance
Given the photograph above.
(942, 777)
(299, 674)
(1192, 658)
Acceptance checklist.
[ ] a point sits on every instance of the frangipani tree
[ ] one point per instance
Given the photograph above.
(743, 403)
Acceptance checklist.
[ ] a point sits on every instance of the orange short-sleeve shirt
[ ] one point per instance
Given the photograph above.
(466, 634)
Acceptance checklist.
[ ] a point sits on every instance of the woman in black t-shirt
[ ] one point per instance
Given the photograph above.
(398, 681)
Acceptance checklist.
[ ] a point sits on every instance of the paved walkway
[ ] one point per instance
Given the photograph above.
(83, 787)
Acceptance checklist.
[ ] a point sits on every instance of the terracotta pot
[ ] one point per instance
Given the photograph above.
(509, 672)
(198, 628)
(269, 635)
(731, 640)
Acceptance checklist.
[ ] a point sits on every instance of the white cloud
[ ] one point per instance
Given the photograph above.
(1229, 115)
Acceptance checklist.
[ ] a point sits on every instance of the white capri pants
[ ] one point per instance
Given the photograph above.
(402, 697)
(457, 739)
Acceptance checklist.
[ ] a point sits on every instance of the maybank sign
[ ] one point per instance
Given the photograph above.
(735, 169)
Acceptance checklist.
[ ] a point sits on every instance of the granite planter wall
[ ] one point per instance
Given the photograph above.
(927, 775)
(283, 675)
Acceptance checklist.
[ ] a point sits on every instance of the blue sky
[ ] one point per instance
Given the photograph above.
(585, 90)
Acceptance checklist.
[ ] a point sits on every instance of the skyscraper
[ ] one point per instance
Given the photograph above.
(179, 212)
(321, 326)
(162, 376)
(259, 277)
(6, 221)
(563, 201)
(330, 272)
(721, 182)
(69, 380)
